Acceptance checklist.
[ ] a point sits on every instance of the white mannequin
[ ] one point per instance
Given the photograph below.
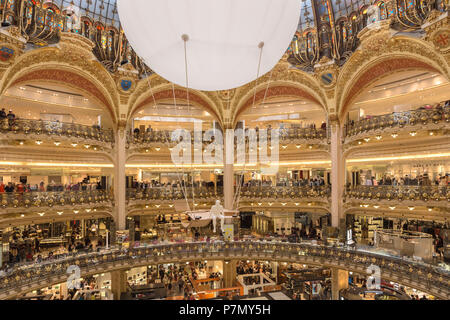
(217, 212)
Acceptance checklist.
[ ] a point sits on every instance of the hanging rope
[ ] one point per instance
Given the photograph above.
(185, 39)
(237, 196)
(182, 185)
(168, 138)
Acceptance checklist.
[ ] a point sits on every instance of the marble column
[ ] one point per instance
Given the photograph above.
(228, 174)
(118, 283)
(120, 179)
(337, 178)
(229, 273)
(339, 281)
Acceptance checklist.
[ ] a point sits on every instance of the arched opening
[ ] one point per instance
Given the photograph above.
(377, 71)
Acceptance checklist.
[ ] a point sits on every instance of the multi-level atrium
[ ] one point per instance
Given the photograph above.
(353, 206)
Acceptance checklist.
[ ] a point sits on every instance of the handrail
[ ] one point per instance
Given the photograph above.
(424, 276)
(286, 192)
(398, 120)
(286, 135)
(56, 128)
(49, 199)
(162, 193)
(424, 193)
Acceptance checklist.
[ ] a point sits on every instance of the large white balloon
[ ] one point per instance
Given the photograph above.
(222, 50)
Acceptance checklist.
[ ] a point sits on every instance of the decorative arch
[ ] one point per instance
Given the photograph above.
(377, 71)
(51, 6)
(69, 65)
(381, 56)
(168, 94)
(275, 90)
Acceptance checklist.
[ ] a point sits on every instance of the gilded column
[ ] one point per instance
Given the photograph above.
(118, 283)
(120, 179)
(228, 171)
(339, 281)
(229, 273)
(337, 176)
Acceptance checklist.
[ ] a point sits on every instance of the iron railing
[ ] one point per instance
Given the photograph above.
(56, 129)
(399, 193)
(398, 120)
(50, 199)
(423, 276)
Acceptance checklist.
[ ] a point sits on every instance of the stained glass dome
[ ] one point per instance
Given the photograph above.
(104, 11)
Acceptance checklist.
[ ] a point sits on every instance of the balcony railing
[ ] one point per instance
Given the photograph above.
(400, 193)
(286, 136)
(56, 129)
(173, 193)
(257, 192)
(423, 276)
(286, 192)
(50, 199)
(399, 120)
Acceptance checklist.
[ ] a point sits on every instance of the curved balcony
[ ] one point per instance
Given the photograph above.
(162, 194)
(425, 277)
(287, 136)
(407, 194)
(273, 193)
(23, 129)
(428, 119)
(54, 199)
